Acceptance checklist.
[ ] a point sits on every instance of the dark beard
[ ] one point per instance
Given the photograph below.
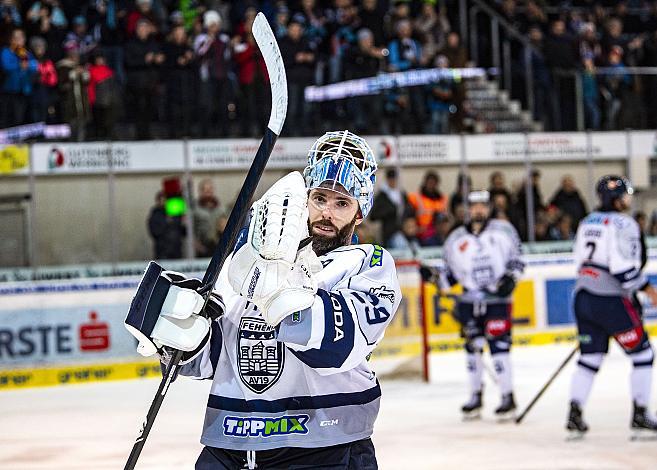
(323, 244)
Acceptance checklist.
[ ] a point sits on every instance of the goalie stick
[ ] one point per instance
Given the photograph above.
(266, 41)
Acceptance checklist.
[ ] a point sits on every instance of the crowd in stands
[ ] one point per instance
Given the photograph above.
(400, 219)
(598, 39)
(174, 68)
(413, 219)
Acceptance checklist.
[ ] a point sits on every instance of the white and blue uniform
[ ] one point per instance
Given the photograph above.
(610, 255)
(478, 262)
(305, 383)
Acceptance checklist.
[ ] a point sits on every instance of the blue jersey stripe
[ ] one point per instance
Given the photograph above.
(339, 330)
(295, 403)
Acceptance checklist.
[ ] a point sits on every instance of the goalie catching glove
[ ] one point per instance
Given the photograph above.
(269, 269)
(165, 313)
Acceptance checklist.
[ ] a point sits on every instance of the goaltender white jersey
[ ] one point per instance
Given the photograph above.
(305, 383)
(478, 262)
(610, 254)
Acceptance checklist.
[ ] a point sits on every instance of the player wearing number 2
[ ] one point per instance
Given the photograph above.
(610, 254)
(293, 323)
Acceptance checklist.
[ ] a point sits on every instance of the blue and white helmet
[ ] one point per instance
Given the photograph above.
(346, 160)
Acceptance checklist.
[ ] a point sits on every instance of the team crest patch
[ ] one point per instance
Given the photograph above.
(260, 356)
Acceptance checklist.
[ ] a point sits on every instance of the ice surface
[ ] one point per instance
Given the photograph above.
(93, 426)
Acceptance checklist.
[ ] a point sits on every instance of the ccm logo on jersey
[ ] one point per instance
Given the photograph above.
(329, 422)
(338, 319)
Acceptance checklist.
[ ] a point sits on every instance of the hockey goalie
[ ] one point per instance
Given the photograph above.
(296, 311)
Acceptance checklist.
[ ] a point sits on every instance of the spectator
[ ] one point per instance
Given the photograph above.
(214, 54)
(406, 237)
(568, 200)
(456, 54)
(562, 56)
(463, 186)
(427, 203)
(167, 232)
(590, 95)
(50, 26)
(143, 11)
(542, 228)
(19, 68)
(563, 229)
(400, 10)
(498, 185)
(441, 101)
(299, 63)
(614, 88)
(281, 23)
(431, 27)
(522, 203)
(38, 10)
(206, 214)
(180, 84)
(650, 81)
(406, 54)
(589, 46)
(346, 25)
(106, 21)
(45, 84)
(73, 80)
(544, 96)
(501, 207)
(9, 14)
(373, 19)
(143, 60)
(361, 61)
(104, 93)
(84, 42)
(535, 17)
(252, 74)
(314, 21)
(390, 206)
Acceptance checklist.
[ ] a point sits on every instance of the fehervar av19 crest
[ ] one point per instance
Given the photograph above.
(259, 355)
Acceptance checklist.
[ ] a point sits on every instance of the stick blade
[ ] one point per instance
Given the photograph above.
(268, 46)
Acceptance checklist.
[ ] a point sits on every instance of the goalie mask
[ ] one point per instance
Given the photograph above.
(344, 159)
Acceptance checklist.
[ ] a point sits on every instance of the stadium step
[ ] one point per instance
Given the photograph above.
(492, 109)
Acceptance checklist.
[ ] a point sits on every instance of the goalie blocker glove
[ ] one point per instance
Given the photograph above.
(165, 314)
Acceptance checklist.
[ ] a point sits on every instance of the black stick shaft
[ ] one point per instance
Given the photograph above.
(547, 384)
(228, 238)
(167, 378)
(240, 209)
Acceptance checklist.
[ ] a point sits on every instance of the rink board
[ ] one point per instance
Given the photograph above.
(77, 374)
(63, 332)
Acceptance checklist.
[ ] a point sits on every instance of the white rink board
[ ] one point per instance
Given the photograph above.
(92, 426)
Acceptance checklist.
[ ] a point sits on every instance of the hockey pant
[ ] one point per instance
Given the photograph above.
(480, 323)
(598, 319)
(358, 455)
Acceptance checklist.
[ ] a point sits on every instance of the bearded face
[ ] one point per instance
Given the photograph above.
(333, 215)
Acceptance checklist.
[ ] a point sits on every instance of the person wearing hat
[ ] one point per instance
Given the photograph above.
(213, 54)
(483, 256)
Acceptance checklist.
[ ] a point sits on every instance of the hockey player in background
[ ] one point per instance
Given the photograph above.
(610, 254)
(293, 323)
(483, 256)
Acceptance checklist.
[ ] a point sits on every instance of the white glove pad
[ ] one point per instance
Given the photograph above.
(297, 292)
(279, 221)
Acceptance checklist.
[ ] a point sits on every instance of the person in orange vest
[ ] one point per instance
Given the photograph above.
(428, 202)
